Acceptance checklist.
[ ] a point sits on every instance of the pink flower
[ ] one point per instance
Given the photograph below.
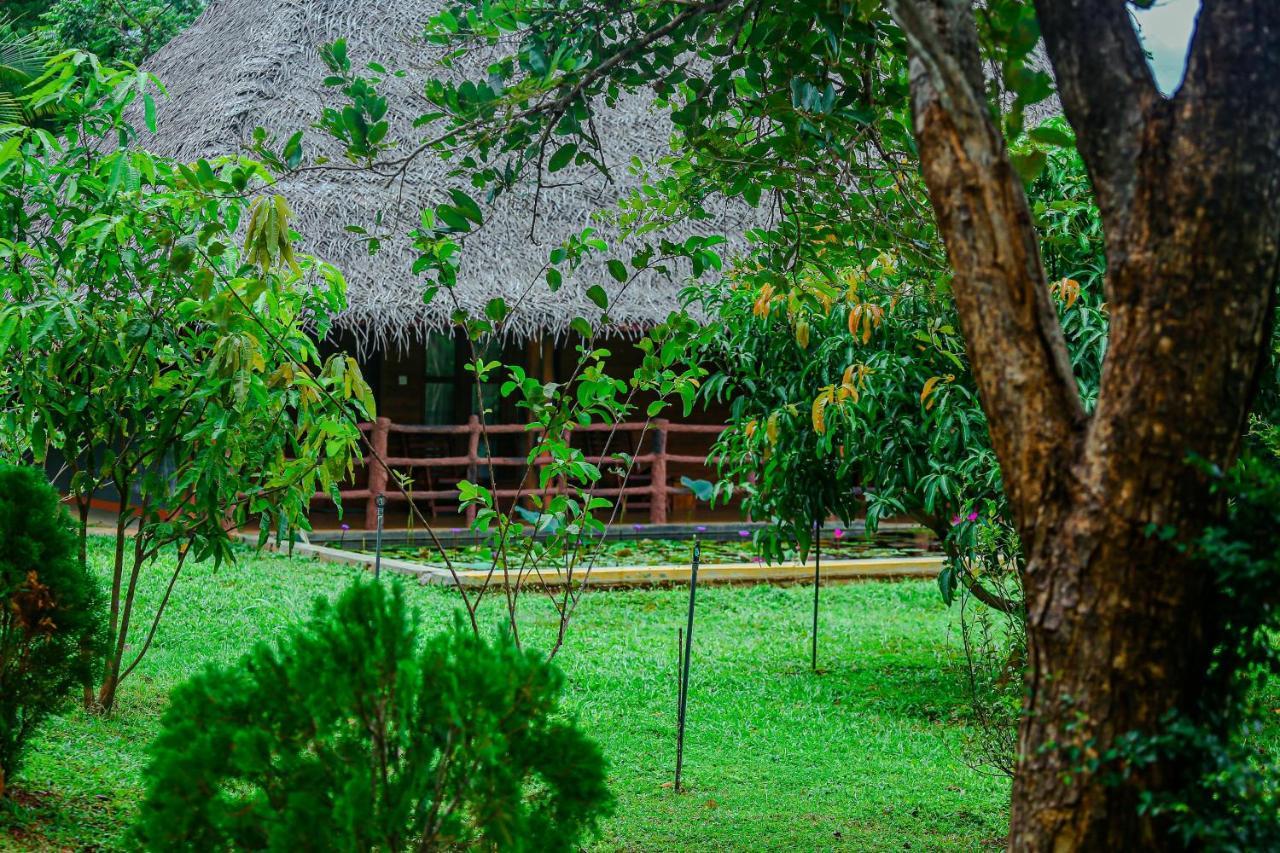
(973, 516)
(955, 519)
(838, 534)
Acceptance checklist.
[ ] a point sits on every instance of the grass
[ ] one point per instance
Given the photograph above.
(867, 754)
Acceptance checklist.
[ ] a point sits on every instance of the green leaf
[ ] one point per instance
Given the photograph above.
(597, 295)
(1049, 135)
(293, 151)
(562, 157)
(618, 270)
(496, 309)
(453, 218)
(702, 489)
(467, 206)
(1029, 165)
(947, 582)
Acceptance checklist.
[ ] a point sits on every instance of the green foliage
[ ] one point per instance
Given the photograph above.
(857, 399)
(115, 30)
(354, 735)
(50, 622)
(148, 355)
(22, 58)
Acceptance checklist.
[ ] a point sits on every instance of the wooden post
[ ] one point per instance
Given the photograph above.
(473, 458)
(377, 470)
(658, 474)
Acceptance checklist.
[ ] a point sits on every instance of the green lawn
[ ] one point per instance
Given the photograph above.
(867, 755)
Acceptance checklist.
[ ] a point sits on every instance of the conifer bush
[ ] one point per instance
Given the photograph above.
(352, 734)
(50, 619)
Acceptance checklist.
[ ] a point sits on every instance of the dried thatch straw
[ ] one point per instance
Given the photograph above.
(246, 63)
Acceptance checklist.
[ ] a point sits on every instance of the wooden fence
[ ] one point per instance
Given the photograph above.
(654, 461)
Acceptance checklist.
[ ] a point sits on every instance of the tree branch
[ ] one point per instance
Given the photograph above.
(1232, 67)
(1107, 93)
(1014, 341)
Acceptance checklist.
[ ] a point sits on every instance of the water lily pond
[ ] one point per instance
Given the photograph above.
(836, 545)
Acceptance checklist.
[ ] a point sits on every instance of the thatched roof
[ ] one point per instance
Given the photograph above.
(246, 63)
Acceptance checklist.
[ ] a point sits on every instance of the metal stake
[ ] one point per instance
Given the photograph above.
(679, 670)
(688, 653)
(817, 580)
(377, 542)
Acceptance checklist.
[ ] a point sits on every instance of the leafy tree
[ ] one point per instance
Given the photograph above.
(805, 107)
(50, 623)
(353, 735)
(857, 401)
(152, 359)
(115, 30)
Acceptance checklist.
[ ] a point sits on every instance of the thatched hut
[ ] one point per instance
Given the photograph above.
(245, 64)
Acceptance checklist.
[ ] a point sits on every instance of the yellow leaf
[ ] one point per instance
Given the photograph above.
(771, 428)
(761, 308)
(852, 279)
(930, 384)
(819, 414)
(750, 429)
(802, 334)
(1067, 290)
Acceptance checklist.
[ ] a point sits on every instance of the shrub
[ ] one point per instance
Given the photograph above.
(353, 735)
(50, 619)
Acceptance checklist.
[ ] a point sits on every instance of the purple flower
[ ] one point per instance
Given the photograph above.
(744, 533)
(701, 528)
(973, 516)
(346, 526)
(636, 527)
(757, 559)
(955, 519)
(838, 534)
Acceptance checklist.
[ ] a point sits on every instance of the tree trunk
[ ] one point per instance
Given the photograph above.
(1189, 192)
(1114, 636)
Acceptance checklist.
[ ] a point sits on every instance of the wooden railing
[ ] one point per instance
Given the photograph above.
(655, 460)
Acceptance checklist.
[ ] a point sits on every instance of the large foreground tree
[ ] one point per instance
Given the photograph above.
(804, 107)
(1189, 192)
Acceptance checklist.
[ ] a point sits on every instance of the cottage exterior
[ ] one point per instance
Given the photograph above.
(245, 64)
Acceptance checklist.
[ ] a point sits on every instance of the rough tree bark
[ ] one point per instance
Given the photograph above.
(1189, 192)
